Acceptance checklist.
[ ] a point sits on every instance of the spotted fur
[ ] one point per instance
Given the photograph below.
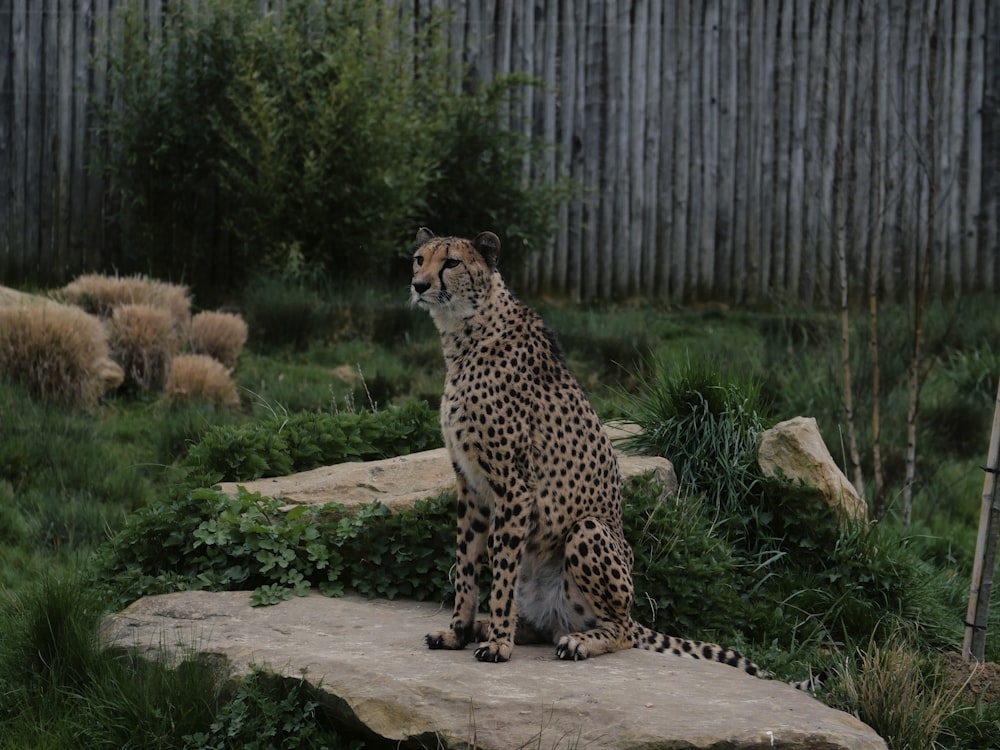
(539, 487)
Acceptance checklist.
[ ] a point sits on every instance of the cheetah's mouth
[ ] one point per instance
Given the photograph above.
(425, 301)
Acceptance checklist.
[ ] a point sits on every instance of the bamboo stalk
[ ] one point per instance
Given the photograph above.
(977, 616)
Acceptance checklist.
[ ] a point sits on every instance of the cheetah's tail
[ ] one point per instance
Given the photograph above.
(650, 640)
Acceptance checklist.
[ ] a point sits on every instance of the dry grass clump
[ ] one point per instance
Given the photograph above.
(142, 341)
(199, 377)
(100, 295)
(219, 335)
(889, 688)
(58, 353)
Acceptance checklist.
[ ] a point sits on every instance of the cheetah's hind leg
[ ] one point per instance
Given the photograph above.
(598, 583)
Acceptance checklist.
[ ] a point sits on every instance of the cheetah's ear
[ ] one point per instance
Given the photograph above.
(424, 234)
(488, 245)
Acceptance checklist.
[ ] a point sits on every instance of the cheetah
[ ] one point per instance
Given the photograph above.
(538, 482)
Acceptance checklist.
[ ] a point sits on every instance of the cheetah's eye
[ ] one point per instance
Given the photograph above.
(452, 263)
(418, 259)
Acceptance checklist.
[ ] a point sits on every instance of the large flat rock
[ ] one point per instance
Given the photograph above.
(370, 655)
(401, 481)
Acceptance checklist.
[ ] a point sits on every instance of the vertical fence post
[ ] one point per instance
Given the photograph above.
(978, 614)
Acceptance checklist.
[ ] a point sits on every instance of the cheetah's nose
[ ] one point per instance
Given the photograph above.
(421, 286)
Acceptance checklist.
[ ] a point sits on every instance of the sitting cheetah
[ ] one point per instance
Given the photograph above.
(538, 481)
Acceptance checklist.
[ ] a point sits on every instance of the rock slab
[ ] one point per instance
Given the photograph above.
(369, 657)
(401, 481)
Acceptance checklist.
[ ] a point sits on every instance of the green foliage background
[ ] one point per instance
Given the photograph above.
(328, 132)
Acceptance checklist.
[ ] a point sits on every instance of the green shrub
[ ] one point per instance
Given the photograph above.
(806, 573)
(283, 444)
(333, 129)
(706, 422)
(204, 539)
(480, 147)
(266, 711)
(331, 142)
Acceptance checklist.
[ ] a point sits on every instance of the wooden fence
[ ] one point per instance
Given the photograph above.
(730, 149)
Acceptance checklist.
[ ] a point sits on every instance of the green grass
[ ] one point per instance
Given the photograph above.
(725, 563)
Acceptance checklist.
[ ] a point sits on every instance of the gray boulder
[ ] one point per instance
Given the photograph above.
(797, 449)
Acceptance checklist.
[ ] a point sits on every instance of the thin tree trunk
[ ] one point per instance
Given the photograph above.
(978, 614)
(840, 227)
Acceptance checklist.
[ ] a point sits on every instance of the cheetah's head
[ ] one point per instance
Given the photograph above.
(452, 276)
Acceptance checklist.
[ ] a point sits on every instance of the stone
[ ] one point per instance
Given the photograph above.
(401, 481)
(368, 657)
(796, 447)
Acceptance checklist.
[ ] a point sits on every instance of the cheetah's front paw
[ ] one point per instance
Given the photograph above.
(495, 651)
(571, 649)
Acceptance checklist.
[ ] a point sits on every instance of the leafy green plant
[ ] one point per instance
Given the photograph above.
(480, 147)
(266, 711)
(408, 553)
(687, 577)
(283, 444)
(206, 539)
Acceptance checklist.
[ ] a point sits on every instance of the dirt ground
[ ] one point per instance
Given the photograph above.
(983, 679)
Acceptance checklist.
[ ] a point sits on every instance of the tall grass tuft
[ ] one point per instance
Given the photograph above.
(100, 294)
(219, 335)
(707, 421)
(142, 342)
(198, 377)
(58, 353)
(60, 688)
(894, 690)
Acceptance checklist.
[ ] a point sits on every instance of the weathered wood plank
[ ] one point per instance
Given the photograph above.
(593, 145)
(666, 200)
(650, 189)
(701, 132)
(971, 190)
(708, 138)
(989, 234)
(746, 29)
(799, 245)
(680, 34)
(6, 134)
(726, 197)
(636, 152)
(619, 252)
(782, 145)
